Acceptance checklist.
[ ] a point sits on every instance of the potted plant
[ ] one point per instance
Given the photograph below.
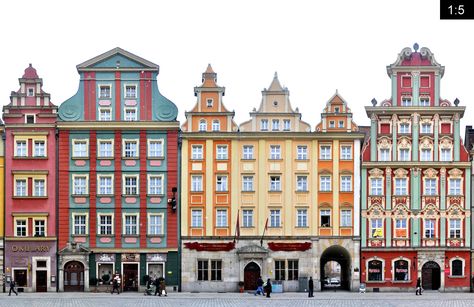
(241, 286)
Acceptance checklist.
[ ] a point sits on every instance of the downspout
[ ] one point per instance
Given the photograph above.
(179, 208)
(57, 209)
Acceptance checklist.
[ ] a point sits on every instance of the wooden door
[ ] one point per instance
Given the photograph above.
(251, 274)
(130, 277)
(41, 281)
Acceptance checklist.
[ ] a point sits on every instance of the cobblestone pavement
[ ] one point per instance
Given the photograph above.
(428, 299)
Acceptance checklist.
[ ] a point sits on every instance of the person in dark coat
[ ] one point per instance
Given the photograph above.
(259, 286)
(268, 287)
(418, 286)
(12, 288)
(310, 287)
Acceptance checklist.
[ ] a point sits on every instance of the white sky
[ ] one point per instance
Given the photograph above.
(315, 46)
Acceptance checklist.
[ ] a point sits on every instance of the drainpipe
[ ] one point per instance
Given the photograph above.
(57, 209)
(180, 141)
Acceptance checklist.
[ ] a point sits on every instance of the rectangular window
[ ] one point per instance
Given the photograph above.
(130, 91)
(340, 124)
(346, 218)
(301, 152)
(293, 269)
(264, 125)
(275, 183)
(247, 218)
(247, 184)
(325, 183)
(286, 125)
(247, 152)
(40, 228)
(275, 153)
(155, 185)
(222, 152)
(445, 154)
(406, 81)
(21, 149)
(196, 183)
(406, 101)
(302, 183)
(216, 125)
(21, 189)
(401, 228)
(429, 228)
(216, 269)
(404, 154)
(325, 153)
(302, 218)
(275, 125)
(39, 187)
(376, 228)
(325, 217)
(426, 155)
(430, 186)
(424, 101)
(332, 124)
(104, 91)
(203, 270)
(221, 183)
(105, 185)
(155, 224)
(40, 149)
(209, 102)
(401, 186)
(346, 152)
(105, 114)
(346, 183)
(130, 185)
(80, 225)
(131, 224)
(106, 149)
(455, 228)
(31, 92)
(404, 128)
(376, 186)
(20, 226)
(196, 218)
(196, 152)
(79, 149)
(275, 218)
(105, 224)
(202, 125)
(80, 185)
(130, 149)
(221, 218)
(385, 154)
(425, 128)
(155, 149)
(455, 186)
(280, 270)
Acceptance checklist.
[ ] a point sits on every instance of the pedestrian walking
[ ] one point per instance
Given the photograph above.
(310, 287)
(268, 287)
(259, 290)
(418, 286)
(160, 286)
(116, 283)
(12, 288)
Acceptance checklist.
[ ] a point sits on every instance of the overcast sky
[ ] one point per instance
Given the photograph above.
(315, 46)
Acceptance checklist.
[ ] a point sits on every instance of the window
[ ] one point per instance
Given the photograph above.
(130, 91)
(404, 154)
(346, 218)
(21, 149)
(404, 128)
(202, 125)
(216, 269)
(301, 183)
(286, 125)
(221, 183)
(130, 185)
(445, 128)
(79, 224)
(425, 154)
(385, 128)
(155, 224)
(221, 218)
(39, 188)
(247, 218)
(196, 218)
(301, 152)
(279, 269)
(346, 183)
(430, 186)
(221, 152)
(130, 114)
(130, 149)
(216, 125)
(346, 153)
(31, 92)
(401, 186)
(376, 186)
(80, 185)
(302, 218)
(445, 154)
(275, 125)
(247, 184)
(429, 228)
(40, 149)
(105, 224)
(275, 153)
(455, 186)
(20, 277)
(425, 128)
(209, 103)
(406, 101)
(105, 114)
(375, 270)
(21, 230)
(79, 149)
(401, 270)
(196, 183)
(106, 149)
(105, 185)
(384, 154)
(455, 228)
(30, 119)
(340, 124)
(401, 228)
(21, 189)
(131, 224)
(104, 91)
(264, 125)
(203, 270)
(332, 124)
(275, 218)
(40, 228)
(155, 148)
(425, 101)
(457, 268)
(247, 152)
(376, 228)
(275, 183)
(196, 152)
(293, 269)
(325, 153)
(325, 217)
(325, 184)
(155, 185)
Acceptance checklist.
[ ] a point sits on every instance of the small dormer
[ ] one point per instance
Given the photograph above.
(336, 116)
(30, 92)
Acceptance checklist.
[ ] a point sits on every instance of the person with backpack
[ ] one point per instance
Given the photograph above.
(12, 288)
(116, 283)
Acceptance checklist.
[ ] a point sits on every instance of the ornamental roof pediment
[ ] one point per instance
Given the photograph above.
(455, 172)
(430, 173)
(117, 58)
(400, 172)
(376, 172)
(252, 249)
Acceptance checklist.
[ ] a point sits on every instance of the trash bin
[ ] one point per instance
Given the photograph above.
(277, 286)
(303, 284)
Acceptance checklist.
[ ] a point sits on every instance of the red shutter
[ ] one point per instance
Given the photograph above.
(385, 128)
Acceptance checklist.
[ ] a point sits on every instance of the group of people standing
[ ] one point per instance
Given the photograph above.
(263, 287)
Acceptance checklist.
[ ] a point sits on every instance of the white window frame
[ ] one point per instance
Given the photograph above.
(325, 183)
(455, 227)
(404, 128)
(196, 218)
(301, 152)
(400, 186)
(247, 152)
(130, 225)
(426, 128)
(376, 185)
(102, 152)
(346, 218)
(44, 227)
(275, 152)
(85, 225)
(155, 189)
(275, 124)
(275, 183)
(21, 148)
(197, 152)
(247, 218)
(346, 152)
(376, 223)
(426, 154)
(196, 183)
(106, 225)
(129, 153)
(451, 267)
(264, 125)
(126, 93)
(443, 156)
(43, 190)
(24, 187)
(202, 125)
(404, 154)
(75, 188)
(346, 183)
(384, 154)
(247, 183)
(286, 125)
(22, 226)
(126, 186)
(103, 189)
(221, 218)
(154, 228)
(82, 153)
(325, 212)
(406, 101)
(432, 228)
(105, 86)
(430, 189)
(221, 183)
(325, 152)
(216, 125)
(155, 148)
(401, 223)
(222, 152)
(39, 151)
(105, 114)
(455, 186)
(301, 183)
(275, 218)
(301, 217)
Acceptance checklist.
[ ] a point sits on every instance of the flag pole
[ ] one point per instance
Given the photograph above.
(263, 234)
(237, 225)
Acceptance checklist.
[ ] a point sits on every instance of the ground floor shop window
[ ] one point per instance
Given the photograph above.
(292, 269)
(375, 268)
(401, 270)
(215, 268)
(20, 278)
(279, 269)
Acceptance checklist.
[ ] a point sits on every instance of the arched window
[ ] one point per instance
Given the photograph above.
(202, 125)
(456, 268)
(375, 270)
(401, 270)
(216, 125)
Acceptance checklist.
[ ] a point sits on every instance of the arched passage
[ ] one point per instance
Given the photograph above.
(341, 256)
(73, 276)
(251, 274)
(431, 276)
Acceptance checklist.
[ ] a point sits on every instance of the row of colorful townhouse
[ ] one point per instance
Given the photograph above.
(110, 183)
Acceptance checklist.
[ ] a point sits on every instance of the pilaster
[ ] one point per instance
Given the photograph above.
(436, 137)
(373, 137)
(437, 89)
(394, 89)
(416, 88)
(415, 136)
(457, 133)
(394, 137)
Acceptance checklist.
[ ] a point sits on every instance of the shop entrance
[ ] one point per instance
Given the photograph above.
(431, 276)
(41, 281)
(130, 277)
(73, 276)
(335, 268)
(155, 270)
(251, 274)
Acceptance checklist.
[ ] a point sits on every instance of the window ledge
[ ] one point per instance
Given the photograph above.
(402, 281)
(130, 195)
(375, 282)
(105, 195)
(302, 192)
(248, 160)
(248, 191)
(155, 195)
(30, 158)
(80, 158)
(105, 158)
(130, 158)
(130, 236)
(79, 235)
(155, 236)
(302, 160)
(30, 197)
(79, 195)
(197, 160)
(456, 277)
(270, 191)
(106, 235)
(279, 160)
(156, 158)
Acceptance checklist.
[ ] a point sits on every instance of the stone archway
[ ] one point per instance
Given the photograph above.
(431, 276)
(252, 272)
(340, 255)
(74, 278)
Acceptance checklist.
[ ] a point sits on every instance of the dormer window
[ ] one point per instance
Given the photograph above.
(286, 125)
(209, 103)
(30, 119)
(202, 125)
(31, 92)
(104, 91)
(130, 91)
(275, 125)
(332, 124)
(406, 101)
(264, 125)
(216, 125)
(341, 124)
(425, 101)
(336, 110)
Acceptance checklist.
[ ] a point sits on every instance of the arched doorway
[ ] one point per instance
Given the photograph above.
(251, 274)
(73, 276)
(431, 276)
(335, 268)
